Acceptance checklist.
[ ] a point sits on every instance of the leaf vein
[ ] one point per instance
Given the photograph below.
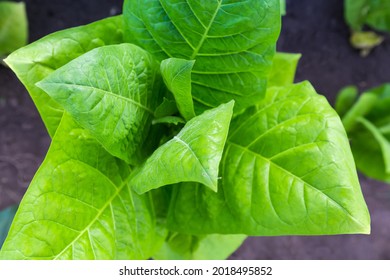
(129, 100)
(202, 40)
(298, 178)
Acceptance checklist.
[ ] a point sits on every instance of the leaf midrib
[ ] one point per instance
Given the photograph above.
(298, 178)
(105, 92)
(103, 208)
(205, 34)
(197, 158)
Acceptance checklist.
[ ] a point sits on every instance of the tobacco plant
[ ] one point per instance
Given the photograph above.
(176, 132)
(367, 121)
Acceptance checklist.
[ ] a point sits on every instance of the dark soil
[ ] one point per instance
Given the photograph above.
(314, 28)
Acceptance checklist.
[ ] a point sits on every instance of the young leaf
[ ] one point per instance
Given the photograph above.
(80, 206)
(287, 169)
(233, 43)
(192, 155)
(39, 59)
(13, 27)
(6, 217)
(283, 69)
(176, 73)
(112, 91)
(207, 247)
(365, 41)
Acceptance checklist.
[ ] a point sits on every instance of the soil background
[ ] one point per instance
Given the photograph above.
(316, 29)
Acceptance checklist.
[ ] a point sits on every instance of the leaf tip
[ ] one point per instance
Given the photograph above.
(8, 61)
(364, 228)
(230, 105)
(212, 184)
(214, 187)
(136, 178)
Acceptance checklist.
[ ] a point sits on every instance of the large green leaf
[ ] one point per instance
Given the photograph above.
(233, 43)
(205, 247)
(284, 66)
(193, 155)
(112, 91)
(13, 27)
(80, 206)
(375, 13)
(287, 169)
(37, 60)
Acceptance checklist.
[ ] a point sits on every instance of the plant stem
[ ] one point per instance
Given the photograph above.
(363, 106)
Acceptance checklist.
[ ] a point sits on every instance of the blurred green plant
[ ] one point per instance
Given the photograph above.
(366, 119)
(13, 27)
(372, 13)
(283, 7)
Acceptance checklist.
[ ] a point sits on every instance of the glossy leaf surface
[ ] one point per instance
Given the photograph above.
(112, 92)
(287, 169)
(192, 155)
(13, 27)
(233, 43)
(39, 59)
(80, 206)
